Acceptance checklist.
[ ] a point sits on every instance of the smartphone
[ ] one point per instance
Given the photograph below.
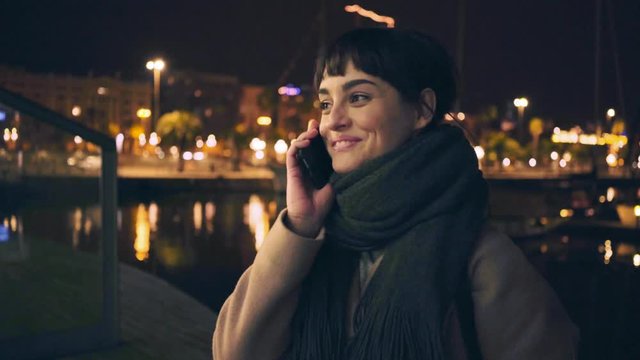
(315, 162)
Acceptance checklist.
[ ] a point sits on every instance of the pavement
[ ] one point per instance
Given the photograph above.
(157, 321)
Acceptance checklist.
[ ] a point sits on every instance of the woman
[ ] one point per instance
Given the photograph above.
(391, 259)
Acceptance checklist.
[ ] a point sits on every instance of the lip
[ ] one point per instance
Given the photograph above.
(344, 142)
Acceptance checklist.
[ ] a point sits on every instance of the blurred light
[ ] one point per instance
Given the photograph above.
(562, 163)
(76, 110)
(281, 147)
(14, 223)
(611, 194)
(521, 102)
(197, 93)
(590, 212)
(142, 139)
(257, 218)
(461, 116)
(289, 90)
(636, 210)
(554, 155)
(209, 213)
(187, 155)
(602, 199)
(636, 260)
(257, 144)
(479, 152)
(72, 161)
(448, 117)
(174, 151)
(77, 139)
(264, 120)
(199, 155)
(544, 248)
(211, 141)
(153, 216)
(506, 162)
(119, 142)
(608, 251)
(3, 116)
(153, 139)
(141, 243)
(564, 239)
(611, 113)
(7, 135)
(612, 160)
(157, 64)
(199, 143)
(143, 113)
(556, 130)
(566, 156)
(389, 21)
(4, 233)
(197, 216)
(14, 134)
(259, 154)
(565, 213)
(532, 162)
(102, 90)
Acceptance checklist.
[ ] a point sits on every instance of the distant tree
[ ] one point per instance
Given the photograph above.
(178, 128)
(536, 127)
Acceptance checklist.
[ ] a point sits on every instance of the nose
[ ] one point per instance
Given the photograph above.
(337, 119)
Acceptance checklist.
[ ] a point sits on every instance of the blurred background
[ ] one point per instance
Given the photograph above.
(142, 156)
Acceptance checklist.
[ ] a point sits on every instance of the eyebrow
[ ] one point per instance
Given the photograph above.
(348, 85)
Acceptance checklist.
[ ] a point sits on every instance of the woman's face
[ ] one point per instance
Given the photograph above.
(363, 117)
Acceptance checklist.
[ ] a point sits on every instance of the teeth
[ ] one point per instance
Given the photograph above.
(343, 144)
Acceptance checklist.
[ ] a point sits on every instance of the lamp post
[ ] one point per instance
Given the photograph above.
(156, 66)
(521, 104)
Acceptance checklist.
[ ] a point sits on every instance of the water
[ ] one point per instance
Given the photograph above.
(202, 242)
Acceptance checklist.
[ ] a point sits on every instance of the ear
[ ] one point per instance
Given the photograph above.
(426, 108)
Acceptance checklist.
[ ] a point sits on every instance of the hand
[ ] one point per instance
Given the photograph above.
(306, 206)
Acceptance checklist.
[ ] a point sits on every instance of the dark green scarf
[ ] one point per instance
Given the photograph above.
(424, 203)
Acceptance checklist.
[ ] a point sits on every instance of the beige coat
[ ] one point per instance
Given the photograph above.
(517, 314)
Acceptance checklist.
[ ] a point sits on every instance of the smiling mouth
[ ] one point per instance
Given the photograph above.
(344, 145)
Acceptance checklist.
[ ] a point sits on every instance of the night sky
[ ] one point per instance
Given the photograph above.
(540, 49)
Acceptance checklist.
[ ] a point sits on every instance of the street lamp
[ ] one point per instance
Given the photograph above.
(156, 66)
(521, 104)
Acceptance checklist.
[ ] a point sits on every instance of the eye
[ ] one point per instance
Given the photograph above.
(358, 98)
(324, 105)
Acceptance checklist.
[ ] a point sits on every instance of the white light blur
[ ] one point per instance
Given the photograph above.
(636, 210)
(257, 144)
(479, 152)
(77, 139)
(636, 260)
(562, 163)
(142, 139)
(211, 141)
(102, 90)
(567, 156)
(461, 116)
(532, 162)
(611, 194)
(187, 155)
(119, 142)
(209, 213)
(7, 135)
(153, 216)
(611, 113)
(141, 244)
(76, 111)
(554, 155)
(257, 218)
(14, 134)
(173, 151)
(154, 139)
(556, 130)
(259, 154)
(198, 156)
(612, 160)
(506, 162)
(281, 147)
(199, 143)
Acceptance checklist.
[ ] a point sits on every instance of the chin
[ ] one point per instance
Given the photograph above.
(343, 167)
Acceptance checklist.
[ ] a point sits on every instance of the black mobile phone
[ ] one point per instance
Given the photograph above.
(315, 162)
